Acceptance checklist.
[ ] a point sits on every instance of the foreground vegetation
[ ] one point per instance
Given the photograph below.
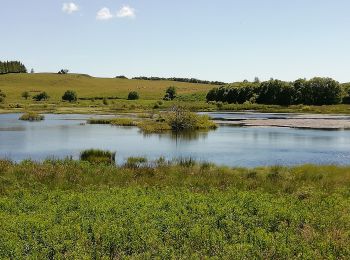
(183, 209)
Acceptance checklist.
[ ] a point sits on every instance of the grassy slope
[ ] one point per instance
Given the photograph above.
(190, 95)
(77, 210)
(55, 85)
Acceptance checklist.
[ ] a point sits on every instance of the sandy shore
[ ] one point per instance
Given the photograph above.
(331, 122)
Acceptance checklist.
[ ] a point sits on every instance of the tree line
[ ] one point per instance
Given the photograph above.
(12, 67)
(316, 91)
(187, 80)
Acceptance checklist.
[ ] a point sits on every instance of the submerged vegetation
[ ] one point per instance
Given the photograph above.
(177, 209)
(31, 116)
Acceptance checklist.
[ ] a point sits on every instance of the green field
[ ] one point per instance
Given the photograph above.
(92, 91)
(185, 210)
(55, 85)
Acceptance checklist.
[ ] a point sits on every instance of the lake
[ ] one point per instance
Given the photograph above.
(60, 136)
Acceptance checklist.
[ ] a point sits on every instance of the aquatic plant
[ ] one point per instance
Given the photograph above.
(135, 162)
(123, 122)
(98, 156)
(100, 121)
(31, 116)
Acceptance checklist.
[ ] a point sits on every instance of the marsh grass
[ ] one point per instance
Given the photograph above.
(123, 122)
(31, 116)
(136, 162)
(152, 126)
(98, 156)
(76, 209)
(100, 121)
(113, 121)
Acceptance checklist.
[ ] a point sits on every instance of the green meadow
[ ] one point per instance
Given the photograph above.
(110, 95)
(181, 209)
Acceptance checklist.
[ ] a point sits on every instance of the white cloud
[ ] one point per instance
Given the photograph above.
(126, 12)
(70, 8)
(104, 14)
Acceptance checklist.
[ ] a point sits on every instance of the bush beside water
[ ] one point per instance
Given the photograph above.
(31, 116)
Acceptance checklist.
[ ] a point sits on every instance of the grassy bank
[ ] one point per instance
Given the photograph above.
(108, 95)
(143, 209)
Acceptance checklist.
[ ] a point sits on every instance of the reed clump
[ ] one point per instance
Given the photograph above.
(96, 156)
(31, 116)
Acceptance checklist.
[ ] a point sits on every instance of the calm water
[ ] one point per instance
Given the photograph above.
(65, 135)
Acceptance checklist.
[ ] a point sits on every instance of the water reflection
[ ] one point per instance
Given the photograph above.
(67, 135)
(184, 136)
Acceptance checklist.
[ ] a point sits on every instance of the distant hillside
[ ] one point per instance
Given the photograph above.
(188, 80)
(86, 86)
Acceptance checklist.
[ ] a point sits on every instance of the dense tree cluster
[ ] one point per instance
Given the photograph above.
(346, 91)
(191, 80)
(12, 67)
(121, 77)
(316, 91)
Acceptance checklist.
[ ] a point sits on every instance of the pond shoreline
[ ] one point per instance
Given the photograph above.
(321, 124)
(285, 120)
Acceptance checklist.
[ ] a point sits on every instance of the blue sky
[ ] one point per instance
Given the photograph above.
(228, 40)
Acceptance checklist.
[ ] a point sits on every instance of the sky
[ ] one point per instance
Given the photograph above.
(226, 40)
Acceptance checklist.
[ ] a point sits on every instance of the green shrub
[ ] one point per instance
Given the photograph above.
(180, 119)
(41, 96)
(31, 116)
(98, 156)
(25, 95)
(2, 96)
(133, 95)
(70, 96)
(170, 93)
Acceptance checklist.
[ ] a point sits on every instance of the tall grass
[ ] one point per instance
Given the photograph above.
(98, 156)
(31, 116)
(76, 209)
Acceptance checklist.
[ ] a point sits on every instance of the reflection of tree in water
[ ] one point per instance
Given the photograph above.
(188, 135)
(180, 136)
